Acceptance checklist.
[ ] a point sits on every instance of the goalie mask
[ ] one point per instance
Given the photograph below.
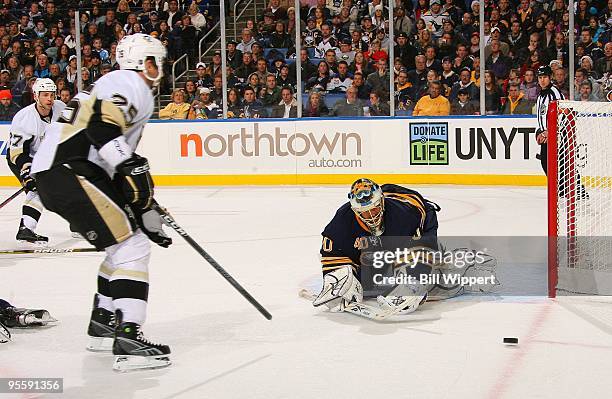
(368, 203)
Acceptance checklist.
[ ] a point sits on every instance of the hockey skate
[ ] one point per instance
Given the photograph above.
(5, 334)
(134, 352)
(20, 317)
(101, 330)
(26, 235)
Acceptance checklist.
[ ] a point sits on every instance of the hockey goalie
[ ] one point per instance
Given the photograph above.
(372, 214)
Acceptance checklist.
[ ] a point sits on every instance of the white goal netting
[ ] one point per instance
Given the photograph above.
(583, 203)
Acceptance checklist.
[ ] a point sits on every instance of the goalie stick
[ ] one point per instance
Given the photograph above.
(12, 197)
(361, 309)
(169, 221)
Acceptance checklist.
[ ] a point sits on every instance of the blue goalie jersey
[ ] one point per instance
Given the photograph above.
(406, 214)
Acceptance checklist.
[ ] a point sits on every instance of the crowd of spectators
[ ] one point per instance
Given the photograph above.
(345, 56)
(38, 40)
(345, 68)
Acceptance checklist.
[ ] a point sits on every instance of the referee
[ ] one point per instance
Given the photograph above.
(548, 93)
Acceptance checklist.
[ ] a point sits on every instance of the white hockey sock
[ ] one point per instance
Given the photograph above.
(105, 302)
(29, 222)
(133, 310)
(32, 208)
(129, 282)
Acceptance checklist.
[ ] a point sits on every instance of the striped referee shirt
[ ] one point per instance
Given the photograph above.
(551, 93)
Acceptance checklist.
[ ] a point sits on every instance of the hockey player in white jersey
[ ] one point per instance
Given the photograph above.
(26, 132)
(88, 172)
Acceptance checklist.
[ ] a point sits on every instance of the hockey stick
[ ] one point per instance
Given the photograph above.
(12, 197)
(360, 308)
(169, 221)
(45, 251)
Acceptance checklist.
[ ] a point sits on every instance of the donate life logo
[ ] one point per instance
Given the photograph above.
(429, 143)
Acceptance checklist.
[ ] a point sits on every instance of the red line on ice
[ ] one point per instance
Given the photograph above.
(503, 381)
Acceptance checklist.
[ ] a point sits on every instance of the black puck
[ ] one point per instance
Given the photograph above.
(511, 340)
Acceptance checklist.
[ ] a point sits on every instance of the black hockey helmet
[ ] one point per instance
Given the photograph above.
(544, 70)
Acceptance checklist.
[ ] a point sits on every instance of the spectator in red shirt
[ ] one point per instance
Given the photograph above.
(376, 53)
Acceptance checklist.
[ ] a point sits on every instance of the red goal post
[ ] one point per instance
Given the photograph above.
(579, 198)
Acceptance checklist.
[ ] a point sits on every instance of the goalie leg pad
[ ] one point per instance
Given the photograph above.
(338, 285)
(448, 287)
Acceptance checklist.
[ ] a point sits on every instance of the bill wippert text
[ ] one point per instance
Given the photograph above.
(449, 279)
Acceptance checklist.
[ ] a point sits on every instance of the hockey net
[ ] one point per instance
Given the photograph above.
(580, 198)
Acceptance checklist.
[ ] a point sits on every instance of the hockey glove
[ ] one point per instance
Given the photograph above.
(27, 180)
(151, 224)
(339, 286)
(136, 182)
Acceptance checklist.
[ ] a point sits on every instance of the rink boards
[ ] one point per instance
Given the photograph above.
(449, 150)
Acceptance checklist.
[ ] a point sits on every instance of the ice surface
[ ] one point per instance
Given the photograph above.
(268, 238)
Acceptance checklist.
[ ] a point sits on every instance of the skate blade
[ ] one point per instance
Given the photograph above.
(100, 344)
(43, 319)
(125, 363)
(76, 235)
(36, 244)
(5, 335)
(48, 321)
